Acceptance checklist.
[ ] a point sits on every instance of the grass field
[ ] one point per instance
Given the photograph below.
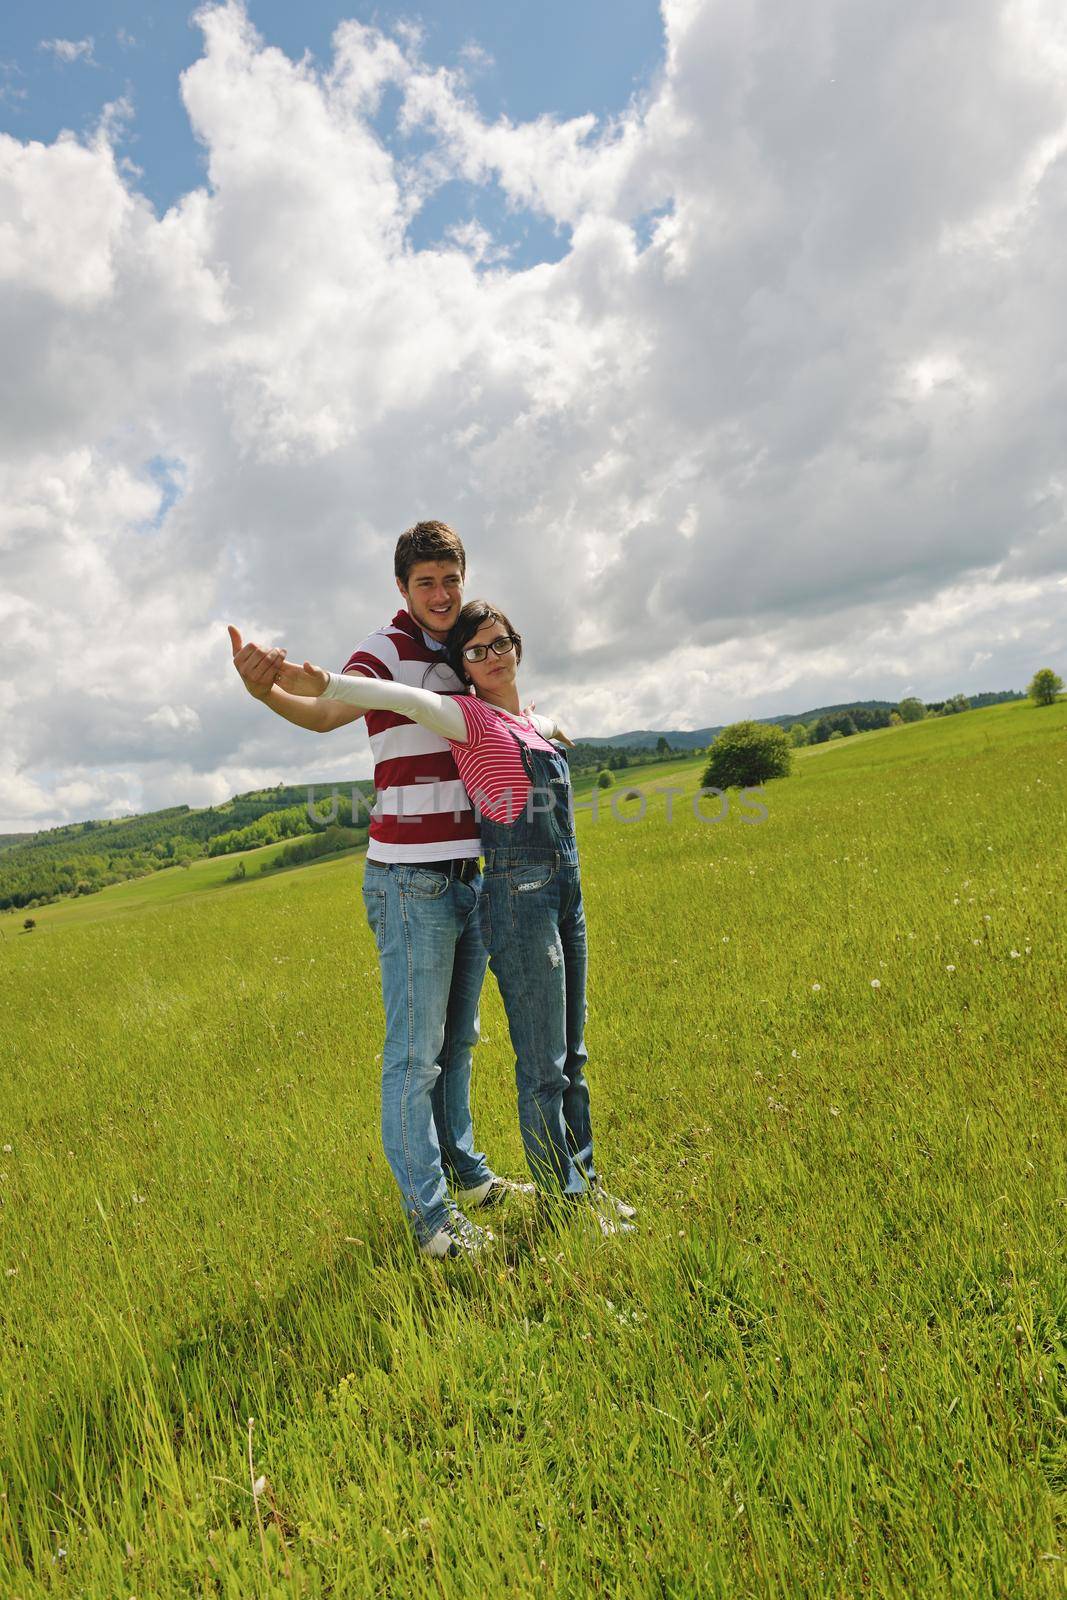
(208, 875)
(827, 1056)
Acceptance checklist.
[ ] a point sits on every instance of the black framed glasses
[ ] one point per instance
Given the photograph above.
(500, 646)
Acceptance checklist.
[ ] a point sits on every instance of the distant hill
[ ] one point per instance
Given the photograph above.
(83, 857)
(700, 738)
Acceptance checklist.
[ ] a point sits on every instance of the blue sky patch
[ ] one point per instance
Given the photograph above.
(63, 61)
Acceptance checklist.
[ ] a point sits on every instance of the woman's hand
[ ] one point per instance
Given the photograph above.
(306, 680)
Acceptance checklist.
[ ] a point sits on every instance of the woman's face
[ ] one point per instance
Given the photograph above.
(495, 672)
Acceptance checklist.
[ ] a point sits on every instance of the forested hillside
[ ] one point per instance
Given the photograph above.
(82, 857)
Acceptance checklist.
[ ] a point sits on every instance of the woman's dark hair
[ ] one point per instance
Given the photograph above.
(474, 615)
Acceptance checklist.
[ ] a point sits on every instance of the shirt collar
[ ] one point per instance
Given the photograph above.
(407, 624)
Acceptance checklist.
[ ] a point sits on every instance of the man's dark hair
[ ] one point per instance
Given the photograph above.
(474, 615)
(428, 541)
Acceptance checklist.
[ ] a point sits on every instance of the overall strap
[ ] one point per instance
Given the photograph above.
(524, 753)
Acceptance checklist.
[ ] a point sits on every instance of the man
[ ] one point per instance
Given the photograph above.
(420, 890)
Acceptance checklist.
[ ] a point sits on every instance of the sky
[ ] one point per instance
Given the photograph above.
(727, 336)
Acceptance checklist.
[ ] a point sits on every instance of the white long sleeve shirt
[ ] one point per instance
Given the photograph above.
(440, 713)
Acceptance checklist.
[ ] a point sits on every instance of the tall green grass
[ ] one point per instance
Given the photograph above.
(832, 1361)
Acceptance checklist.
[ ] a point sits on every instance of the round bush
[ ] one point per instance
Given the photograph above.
(747, 753)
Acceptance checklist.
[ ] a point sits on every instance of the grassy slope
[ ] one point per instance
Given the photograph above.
(163, 888)
(213, 873)
(827, 1364)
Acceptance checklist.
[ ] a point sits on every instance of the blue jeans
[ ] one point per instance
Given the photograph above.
(533, 924)
(433, 962)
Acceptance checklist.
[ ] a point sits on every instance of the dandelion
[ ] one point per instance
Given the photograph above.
(976, 941)
(726, 938)
(835, 1111)
(795, 1054)
(259, 1486)
(815, 988)
(7, 1149)
(1015, 955)
(11, 1272)
(876, 983)
(950, 968)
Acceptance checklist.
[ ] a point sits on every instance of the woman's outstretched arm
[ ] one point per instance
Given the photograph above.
(438, 712)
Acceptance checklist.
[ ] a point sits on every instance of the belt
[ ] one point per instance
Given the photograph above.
(462, 867)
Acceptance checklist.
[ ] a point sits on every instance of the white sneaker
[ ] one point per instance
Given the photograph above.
(603, 1219)
(490, 1193)
(589, 1211)
(611, 1202)
(458, 1237)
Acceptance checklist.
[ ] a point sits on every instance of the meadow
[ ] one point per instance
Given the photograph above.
(827, 1058)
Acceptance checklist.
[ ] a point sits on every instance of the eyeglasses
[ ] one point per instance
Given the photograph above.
(501, 646)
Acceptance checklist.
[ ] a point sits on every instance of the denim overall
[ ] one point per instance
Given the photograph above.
(533, 925)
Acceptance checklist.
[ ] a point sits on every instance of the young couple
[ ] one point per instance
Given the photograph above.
(461, 772)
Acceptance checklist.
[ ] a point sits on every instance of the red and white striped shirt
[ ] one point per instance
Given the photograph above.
(490, 763)
(422, 812)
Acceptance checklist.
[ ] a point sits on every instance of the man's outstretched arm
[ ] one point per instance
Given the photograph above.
(258, 669)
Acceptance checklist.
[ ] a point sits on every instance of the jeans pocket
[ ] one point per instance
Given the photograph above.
(374, 901)
(538, 875)
(425, 885)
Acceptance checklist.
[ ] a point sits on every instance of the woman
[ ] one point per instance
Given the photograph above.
(531, 903)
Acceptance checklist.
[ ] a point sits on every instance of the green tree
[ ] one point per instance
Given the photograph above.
(895, 719)
(605, 780)
(798, 735)
(747, 753)
(662, 747)
(1044, 686)
(837, 734)
(834, 722)
(29, 924)
(911, 709)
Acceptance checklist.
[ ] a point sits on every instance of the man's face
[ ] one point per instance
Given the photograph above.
(434, 595)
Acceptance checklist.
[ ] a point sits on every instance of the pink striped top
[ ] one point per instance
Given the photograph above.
(489, 763)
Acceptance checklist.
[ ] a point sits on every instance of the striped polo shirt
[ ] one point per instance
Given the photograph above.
(422, 812)
(490, 763)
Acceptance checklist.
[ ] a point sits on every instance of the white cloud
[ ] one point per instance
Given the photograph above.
(68, 50)
(179, 719)
(780, 427)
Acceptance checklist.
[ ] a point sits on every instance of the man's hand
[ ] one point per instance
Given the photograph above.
(305, 680)
(257, 668)
(559, 735)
